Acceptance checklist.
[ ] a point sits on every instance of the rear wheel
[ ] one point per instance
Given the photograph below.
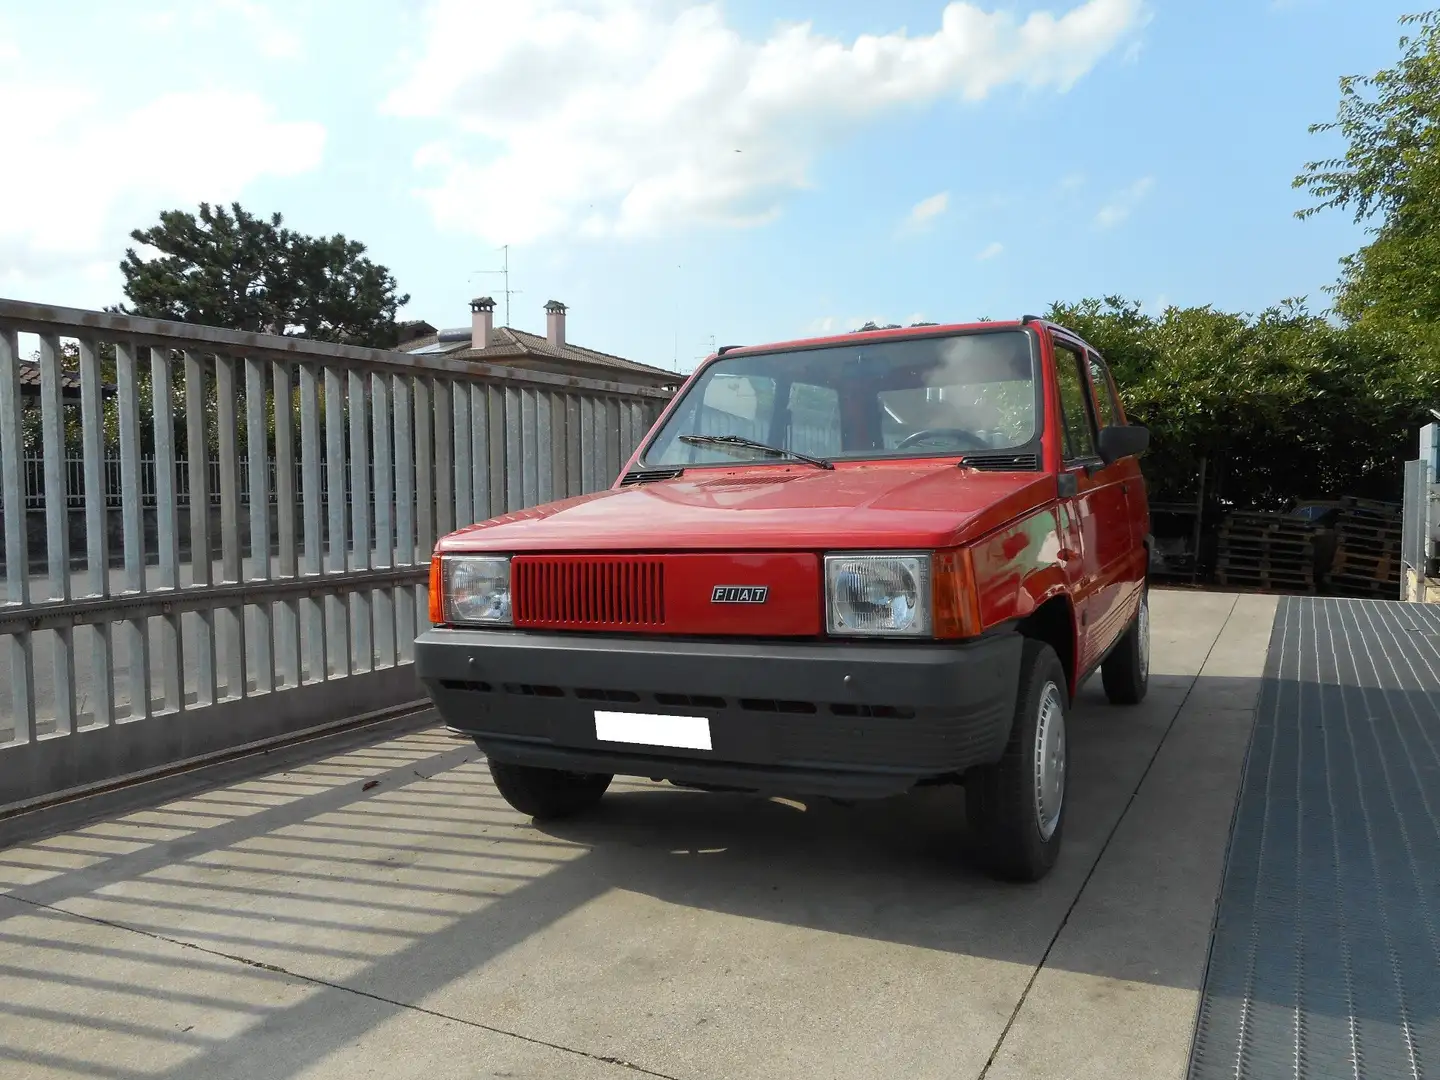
(1126, 671)
(548, 794)
(1016, 807)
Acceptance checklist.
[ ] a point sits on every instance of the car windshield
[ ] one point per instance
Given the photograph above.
(963, 394)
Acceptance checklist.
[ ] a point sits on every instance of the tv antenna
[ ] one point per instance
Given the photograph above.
(505, 272)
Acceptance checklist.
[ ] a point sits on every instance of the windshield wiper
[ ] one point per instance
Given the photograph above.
(751, 444)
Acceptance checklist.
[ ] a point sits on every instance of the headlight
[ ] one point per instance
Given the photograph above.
(477, 589)
(878, 594)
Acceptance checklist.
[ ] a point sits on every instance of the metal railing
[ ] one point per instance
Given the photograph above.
(117, 663)
(113, 480)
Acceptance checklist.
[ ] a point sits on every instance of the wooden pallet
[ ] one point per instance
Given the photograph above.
(1248, 539)
(1371, 506)
(1265, 579)
(1365, 588)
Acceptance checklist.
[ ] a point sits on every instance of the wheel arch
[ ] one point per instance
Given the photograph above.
(1053, 622)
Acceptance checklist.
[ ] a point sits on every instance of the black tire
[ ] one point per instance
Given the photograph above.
(1001, 800)
(548, 794)
(1126, 671)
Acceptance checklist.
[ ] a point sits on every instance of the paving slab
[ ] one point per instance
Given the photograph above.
(1119, 990)
(692, 935)
(83, 999)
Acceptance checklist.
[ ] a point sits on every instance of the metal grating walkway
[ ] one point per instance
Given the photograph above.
(1325, 960)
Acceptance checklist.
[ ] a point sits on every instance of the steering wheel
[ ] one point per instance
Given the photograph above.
(945, 433)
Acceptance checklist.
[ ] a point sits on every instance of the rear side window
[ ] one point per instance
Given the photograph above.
(1075, 410)
(1107, 409)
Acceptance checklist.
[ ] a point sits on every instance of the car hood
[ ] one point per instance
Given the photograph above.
(775, 507)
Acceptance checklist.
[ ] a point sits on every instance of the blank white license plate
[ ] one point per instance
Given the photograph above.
(650, 729)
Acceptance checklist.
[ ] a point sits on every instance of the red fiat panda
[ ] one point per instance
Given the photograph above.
(843, 567)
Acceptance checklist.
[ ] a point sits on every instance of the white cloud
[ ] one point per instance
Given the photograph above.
(1119, 207)
(258, 24)
(990, 251)
(76, 184)
(1071, 181)
(926, 211)
(629, 117)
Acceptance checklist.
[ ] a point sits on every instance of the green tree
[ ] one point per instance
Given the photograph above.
(1389, 174)
(1284, 405)
(231, 269)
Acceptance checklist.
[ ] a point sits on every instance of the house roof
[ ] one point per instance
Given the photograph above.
(29, 377)
(507, 346)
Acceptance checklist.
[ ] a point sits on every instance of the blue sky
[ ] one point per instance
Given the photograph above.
(675, 171)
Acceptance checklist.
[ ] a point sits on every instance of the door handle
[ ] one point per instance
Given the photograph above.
(1124, 489)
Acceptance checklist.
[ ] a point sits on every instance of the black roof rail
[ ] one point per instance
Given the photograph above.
(726, 348)
(1026, 320)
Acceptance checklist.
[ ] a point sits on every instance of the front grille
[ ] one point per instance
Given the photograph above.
(588, 592)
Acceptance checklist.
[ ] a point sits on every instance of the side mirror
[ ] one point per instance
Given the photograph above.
(1122, 441)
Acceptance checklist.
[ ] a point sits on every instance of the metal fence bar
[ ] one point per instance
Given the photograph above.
(480, 451)
(310, 491)
(167, 527)
(574, 454)
(20, 659)
(464, 448)
(137, 635)
(514, 452)
(232, 620)
(338, 623)
(57, 528)
(424, 471)
(529, 451)
(544, 447)
(444, 456)
(382, 456)
(97, 540)
(496, 473)
(360, 603)
(287, 613)
(587, 445)
(198, 469)
(256, 438)
(404, 515)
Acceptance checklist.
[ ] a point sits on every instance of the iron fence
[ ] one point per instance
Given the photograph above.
(112, 476)
(108, 672)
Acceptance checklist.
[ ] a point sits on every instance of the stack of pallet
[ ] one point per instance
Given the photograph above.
(1367, 550)
(1256, 550)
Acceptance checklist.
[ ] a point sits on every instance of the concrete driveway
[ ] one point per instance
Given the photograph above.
(377, 910)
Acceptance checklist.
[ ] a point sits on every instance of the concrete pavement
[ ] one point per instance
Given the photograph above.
(303, 923)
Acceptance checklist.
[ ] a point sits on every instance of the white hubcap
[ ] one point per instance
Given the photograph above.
(1049, 760)
(1144, 627)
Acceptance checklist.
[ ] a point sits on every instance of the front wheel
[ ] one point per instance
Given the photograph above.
(1126, 671)
(1016, 807)
(548, 794)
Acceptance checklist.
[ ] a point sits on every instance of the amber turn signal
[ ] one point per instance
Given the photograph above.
(437, 596)
(956, 600)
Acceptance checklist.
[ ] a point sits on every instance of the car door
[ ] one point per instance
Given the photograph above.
(1094, 498)
(1127, 471)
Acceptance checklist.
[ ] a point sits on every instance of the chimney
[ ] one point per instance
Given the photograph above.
(555, 324)
(482, 322)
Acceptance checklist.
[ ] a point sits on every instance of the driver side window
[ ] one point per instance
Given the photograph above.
(1075, 417)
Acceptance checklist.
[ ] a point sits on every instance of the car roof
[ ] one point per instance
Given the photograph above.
(899, 332)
